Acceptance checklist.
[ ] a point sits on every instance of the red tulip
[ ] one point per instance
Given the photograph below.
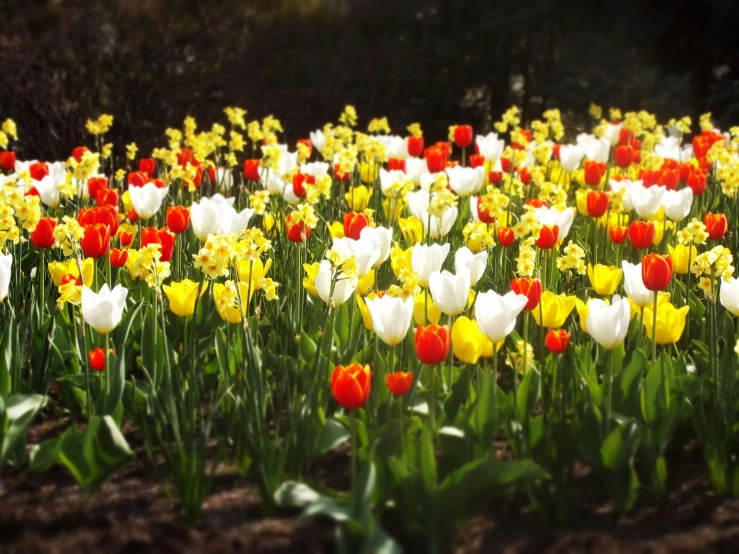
(43, 235)
(463, 135)
(96, 184)
(482, 214)
(594, 172)
(432, 344)
(7, 160)
(495, 177)
(163, 237)
(299, 182)
(530, 288)
(716, 225)
(624, 156)
(641, 234)
(436, 159)
(107, 215)
(251, 170)
(597, 203)
(78, 152)
(148, 166)
(557, 341)
(351, 385)
(395, 163)
(618, 234)
(548, 236)
(96, 240)
(656, 271)
(697, 182)
(118, 257)
(38, 170)
(354, 223)
(96, 356)
(184, 156)
(137, 179)
(178, 219)
(506, 236)
(399, 382)
(339, 175)
(415, 146)
(296, 231)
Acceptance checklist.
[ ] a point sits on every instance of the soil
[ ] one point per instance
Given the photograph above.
(47, 512)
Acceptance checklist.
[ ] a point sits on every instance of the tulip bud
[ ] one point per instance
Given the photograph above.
(530, 288)
(618, 234)
(118, 257)
(400, 382)
(641, 234)
(716, 225)
(624, 156)
(597, 203)
(7, 160)
(656, 271)
(43, 235)
(351, 385)
(432, 344)
(463, 135)
(557, 341)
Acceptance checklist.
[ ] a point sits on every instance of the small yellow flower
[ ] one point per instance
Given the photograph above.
(337, 230)
(182, 296)
(604, 279)
(553, 309)
(670, 322)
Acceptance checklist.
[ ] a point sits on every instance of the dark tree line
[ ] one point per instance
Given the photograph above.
(152, 62)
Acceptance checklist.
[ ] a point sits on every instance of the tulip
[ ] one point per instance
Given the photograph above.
(206, 213)
(475, 263)
(106, 215)
(103, 310)
(178, 219)
(603, 278)
(38, 170)
(450, 292)
(118, 257)
(415, 146)
(465, 180)
(641, 234)
(58, 270)
(548, 235)
(530, 288)
(670, 322)
(7, 160)
(463, 135)
(391, 317)
(716, 225)
(147, 199)
(351, 385)
(96, 185)
(343, 288)
(618, 234)
(570, 157)
(490, 146)
(364, 251)
(227, 306)
(557, 341)
(647, 200)
(358, 198)
(163, 237)
(656, 271)
(506, 236)
(639, 294)
(608, 324)
(593, 172)
(552, 216)
(432, 344)
(467, 340)
(6, 261)
(354, 223)
(554, 309)
(251, 170)
(729, 295)
(623, 156)
(107, 197)
(96, 240)
(383, 240)
(423, 305)
(182, 296)
(296, 231)
(597, 203)
(399, 383)
(496, 315)
(96, 357)
(425, 259)
(43, 235)
(682, 257)
(677, 203)
(148, 166)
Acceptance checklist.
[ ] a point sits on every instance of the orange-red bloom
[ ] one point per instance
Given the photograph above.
(354, 223)
(299, 182)
(557, 341)
(656, 271)
(641, 234)
(96, 240)
(163, 237)
(548, 236)
(463, 135)
(43, 235)
(178, 219)
(106, 214)
(96, 356)
(597, 203)
(7, 160)
(483, 214)
(351, 385)
(432, 344)
(296, 231)
(78, 152)
(716, 225)
(148, 166)
(415, 146)
(624, 156)
(118, 257)
(38, 170)
(594, 172)
(618, 234)
(530, 288)
(506, 236)
(399, 382)
(436, 158)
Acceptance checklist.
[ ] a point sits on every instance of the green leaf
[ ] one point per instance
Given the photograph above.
(6, 359)
(332, 435)
(341, 325)
(528, 392)
(292, 494)
(307, 347)
(16, 414)
(427, 460)
(44, 455)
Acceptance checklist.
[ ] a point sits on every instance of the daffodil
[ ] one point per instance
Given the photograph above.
(553, 309)
(182, 295)
(58, 270)
(604, 278)
(670, 322)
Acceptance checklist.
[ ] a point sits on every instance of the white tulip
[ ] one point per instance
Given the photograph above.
(440, 226)
(612, 133)
(147, 200)
(318, 139)
(628, 187)
(317, 169)
(570, 157)
(391, 317)
(647, 200)
(49, 187)
(634, 285)
(390, 178)
(608, 325)
(465, 180)
(395, 146)
(232, 221)
(677, 203)
(427, 259)
(596, 149)
(6, 262)
(364, 251)
(496, 315)
(415, 167)
(476, 263)
(418, 203)
(205, 215)
(729, 294)
(383, 239)
(103, 310)
(552, 216)
(491, 148)
(450, 293)
(343, 288)
(669, 148)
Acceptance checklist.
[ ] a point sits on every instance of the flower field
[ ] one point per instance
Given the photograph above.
(464, 321)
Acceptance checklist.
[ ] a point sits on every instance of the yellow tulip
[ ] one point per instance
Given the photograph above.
(358, 198)
(581, 199)
(368, 173)
(412, 229)
(681, 256)
(309, 281)
(57, 270)
(397, 205)
(467, 340)
(365, 284)
(419, 309)
(364, 310)
(670, 322)
(400, 260)
(182, 296)
(127, 204)
(604, 278)
(227, 302)
(553, 309)
(336, 229)
(662, 298)
(487, 348)
(258, 271)
(272, 226)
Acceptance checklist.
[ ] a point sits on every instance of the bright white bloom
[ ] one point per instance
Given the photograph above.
(596, 149)
(415, 167)
(465, 180)
(476, 263)
(634, 285)
(383, 239)
(343, 288)
(608, 325)
(427, 259)
(318, 139)
(365, 252)
(6, 262)
(552, 216)
(317, 169)
(147, 200)
(677, 203)
(570, 157)
(450, 293)
(391, 317)
(48, 187)
(103, 310)
(389, 178)
(611, 133)
(729, 295)
(628, 187)
(496, 314)
(490, 146)
(647, 200)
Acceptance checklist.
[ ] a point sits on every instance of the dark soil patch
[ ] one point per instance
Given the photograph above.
(47, 512)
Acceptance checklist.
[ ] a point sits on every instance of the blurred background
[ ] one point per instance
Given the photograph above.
(440, 62)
